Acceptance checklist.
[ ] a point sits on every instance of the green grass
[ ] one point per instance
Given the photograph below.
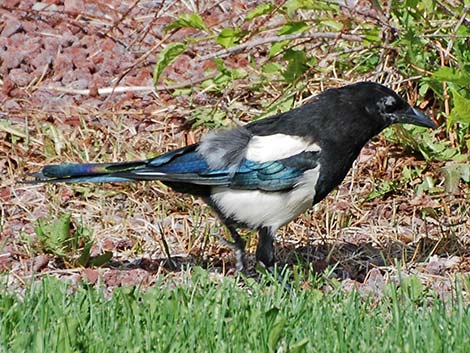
(206, 315)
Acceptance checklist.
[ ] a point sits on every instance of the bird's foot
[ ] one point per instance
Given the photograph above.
(238, 248)
(240, 256)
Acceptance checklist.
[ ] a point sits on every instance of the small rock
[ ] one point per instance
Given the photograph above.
(41, 60)
(11, 3)
(108, 245)
(374, 283)
(124, 244)
(91, 275)
(46, 4)
(40, 262)
(74, 7)
(20, 77)
(8, 85)
(5, 262)
(14, 58)
(438, 265)
(12, 25)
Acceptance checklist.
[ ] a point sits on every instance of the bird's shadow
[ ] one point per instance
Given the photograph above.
(344, 260)
(341, 259)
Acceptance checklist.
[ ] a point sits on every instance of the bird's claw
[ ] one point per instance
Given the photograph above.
(238, 248)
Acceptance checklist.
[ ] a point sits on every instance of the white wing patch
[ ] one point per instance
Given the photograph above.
(278, 146)
(257, 208)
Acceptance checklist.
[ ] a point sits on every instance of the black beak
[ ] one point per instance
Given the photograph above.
(415, 117)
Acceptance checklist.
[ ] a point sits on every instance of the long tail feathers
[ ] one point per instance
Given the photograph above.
(86, 173)
(183, 165)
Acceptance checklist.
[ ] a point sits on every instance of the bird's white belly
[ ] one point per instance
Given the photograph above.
(257, 208)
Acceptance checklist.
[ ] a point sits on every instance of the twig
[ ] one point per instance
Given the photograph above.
(142, 58)
(124, 89)
(101, 91)
(409, 79)
(123, 17)
(18, 133)
(139, 38)
(465, 11)
(381, 17)
(450, 12)
(253, 31)
(254, 43)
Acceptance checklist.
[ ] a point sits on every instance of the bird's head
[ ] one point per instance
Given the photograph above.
(389, 108)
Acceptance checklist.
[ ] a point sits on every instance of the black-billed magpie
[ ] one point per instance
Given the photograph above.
(264, 174)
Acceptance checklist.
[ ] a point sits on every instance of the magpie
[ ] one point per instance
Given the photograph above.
(264, 174)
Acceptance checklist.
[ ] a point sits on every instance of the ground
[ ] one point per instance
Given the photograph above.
(60, 61)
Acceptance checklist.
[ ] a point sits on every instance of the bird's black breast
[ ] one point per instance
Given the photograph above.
(335, 163)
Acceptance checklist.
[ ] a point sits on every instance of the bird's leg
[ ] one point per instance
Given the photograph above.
(265, 255)
(237, 245)
(265, 248)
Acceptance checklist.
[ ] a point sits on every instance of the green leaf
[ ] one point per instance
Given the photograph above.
(54, 236)
(59, 230)
(53, 140)
(423, 88)
(271, 68)
(372, 35)
(228, 37)
(275, 333)
(450, 74)
(85, 255)
(166, 57)
(427, 5)
(461, 110)
(428, 185)
(452, 175)
(15, 133)
(39, 230)
(293, 5)
(190, 20)
(260, 10)
(293, 27)
(412, 288)
(296, 64)
(277, 47)
(281, 105)
(336, 25)
(271, 314)
(209, 117)
(382, 189)
(299, 346)
(101, 259)
(465, 172)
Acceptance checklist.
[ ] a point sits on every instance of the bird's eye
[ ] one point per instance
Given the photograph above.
(387, 104)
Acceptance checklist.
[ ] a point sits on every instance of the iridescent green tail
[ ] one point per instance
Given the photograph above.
(86, 173)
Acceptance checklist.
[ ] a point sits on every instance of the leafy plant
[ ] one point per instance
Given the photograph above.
(72, 244)
(165, 58)
(190, 20)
